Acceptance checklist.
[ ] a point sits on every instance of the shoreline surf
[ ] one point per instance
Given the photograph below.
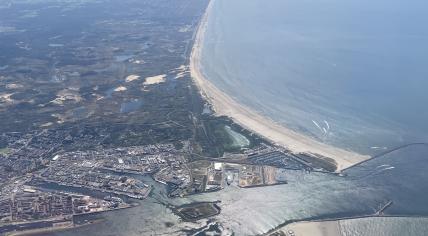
(224, 105)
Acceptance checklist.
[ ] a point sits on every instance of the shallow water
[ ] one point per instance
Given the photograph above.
(238, 140)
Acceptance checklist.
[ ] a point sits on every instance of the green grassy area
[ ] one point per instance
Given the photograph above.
(4, 151)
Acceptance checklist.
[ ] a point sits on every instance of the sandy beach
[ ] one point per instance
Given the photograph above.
(326, 228)
(225, 105)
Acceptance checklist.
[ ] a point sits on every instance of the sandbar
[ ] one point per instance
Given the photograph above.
(325, 228)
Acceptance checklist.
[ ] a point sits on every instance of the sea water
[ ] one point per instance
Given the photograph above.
(352, 73)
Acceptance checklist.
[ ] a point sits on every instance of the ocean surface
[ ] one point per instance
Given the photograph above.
(352, 73)
(385, 226)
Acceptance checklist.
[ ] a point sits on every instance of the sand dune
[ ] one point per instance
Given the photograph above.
(131, 78)
(280, 135)
(154, 80)
(120, 89)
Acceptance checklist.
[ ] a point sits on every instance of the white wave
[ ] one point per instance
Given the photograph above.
(326, 123)
(317, 125)
(384, 165)
(389, 168)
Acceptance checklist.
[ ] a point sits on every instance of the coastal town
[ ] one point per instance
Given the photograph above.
(61, 183)
(115, 117)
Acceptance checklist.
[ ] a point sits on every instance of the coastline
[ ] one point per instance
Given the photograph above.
(224, 105)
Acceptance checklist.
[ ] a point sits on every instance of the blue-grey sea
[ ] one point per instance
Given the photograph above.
(351, 73)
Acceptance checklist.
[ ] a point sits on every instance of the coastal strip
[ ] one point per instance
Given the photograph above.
(224, 105)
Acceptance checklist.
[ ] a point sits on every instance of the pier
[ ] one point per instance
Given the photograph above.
(383, 208)
(383, 154)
